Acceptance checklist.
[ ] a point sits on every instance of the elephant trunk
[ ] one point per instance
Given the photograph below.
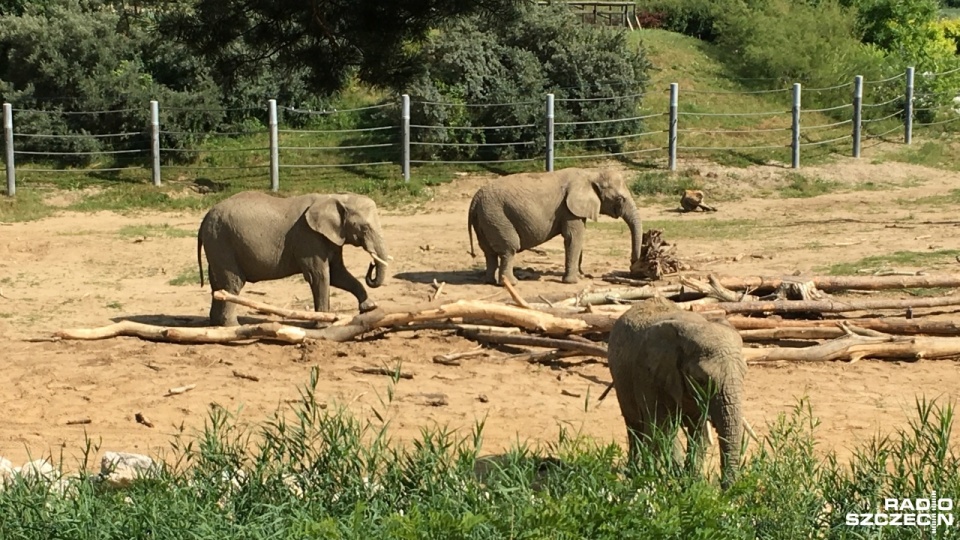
(377, 271)
(631, 215)
(726, 414)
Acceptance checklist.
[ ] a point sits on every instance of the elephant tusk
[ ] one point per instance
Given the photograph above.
(379, 260)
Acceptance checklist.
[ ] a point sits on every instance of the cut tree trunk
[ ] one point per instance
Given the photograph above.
(568, 345)
(657, 257)
(843, 283)
(606, 296)
(829, 306)
(855, 347)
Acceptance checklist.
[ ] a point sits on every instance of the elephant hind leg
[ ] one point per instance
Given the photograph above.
(506, 267)
(227, 279)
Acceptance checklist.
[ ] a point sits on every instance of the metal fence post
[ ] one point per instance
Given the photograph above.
(155, 140)
(674, 91)
(405, 135)
(857, 109)
(550, 132)
(274, 148)
(908, 109)
(8, 136)
(795, 140)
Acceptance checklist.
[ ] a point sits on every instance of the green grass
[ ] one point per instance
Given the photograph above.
(655, 183)
(899, 258)
(316, 471)
(709, 228)
(155, 231)
(798, 186)
(950, 198)
(187, 276)
(26, 205)
(937, 154)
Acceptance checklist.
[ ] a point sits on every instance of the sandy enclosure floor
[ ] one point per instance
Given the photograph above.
(86, 270)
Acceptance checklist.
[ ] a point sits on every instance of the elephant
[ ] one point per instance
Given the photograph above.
(252, 237)
(521, 211)
(661, 358)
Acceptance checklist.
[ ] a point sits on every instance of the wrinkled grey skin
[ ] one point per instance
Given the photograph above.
(253, 237)
(520, 211)
(655, 351)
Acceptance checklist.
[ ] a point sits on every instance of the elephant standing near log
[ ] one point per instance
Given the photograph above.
(661, 359)
(253, 237)
(521, 211)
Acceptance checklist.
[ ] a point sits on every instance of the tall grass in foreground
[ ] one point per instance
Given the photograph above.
(321, 473)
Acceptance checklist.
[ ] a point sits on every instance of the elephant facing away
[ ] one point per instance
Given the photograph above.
(660, 358)
(252, 236)
(521, 211)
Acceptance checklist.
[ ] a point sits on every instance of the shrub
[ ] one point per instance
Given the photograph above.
(689, 17)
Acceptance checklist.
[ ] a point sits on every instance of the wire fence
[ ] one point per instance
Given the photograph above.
(408, 132)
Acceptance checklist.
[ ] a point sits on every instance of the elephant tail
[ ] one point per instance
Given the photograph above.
(471, 224)
(199, 258)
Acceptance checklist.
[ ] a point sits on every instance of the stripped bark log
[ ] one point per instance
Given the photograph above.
(829, 306)
(535, 341)
(842, 283)
(587, 297)
(514, 316)
(856, 347)
(272, 331)
(889, 326)
(262, 307)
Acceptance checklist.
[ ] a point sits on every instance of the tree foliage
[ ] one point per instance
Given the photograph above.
(494, 72)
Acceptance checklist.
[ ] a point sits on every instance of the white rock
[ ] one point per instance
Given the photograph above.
(120, 469)
(38, 468)
(6, 471)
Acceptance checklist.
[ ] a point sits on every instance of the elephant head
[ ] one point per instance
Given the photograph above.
(352, 219)
(604, 191)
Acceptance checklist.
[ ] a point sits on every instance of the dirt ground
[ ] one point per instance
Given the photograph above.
(87, 270)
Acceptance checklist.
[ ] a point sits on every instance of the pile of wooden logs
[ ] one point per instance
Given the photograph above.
(764, 310)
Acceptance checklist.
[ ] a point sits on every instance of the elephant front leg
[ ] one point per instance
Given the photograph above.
(341, 278)
(319, 280)
(573, 231)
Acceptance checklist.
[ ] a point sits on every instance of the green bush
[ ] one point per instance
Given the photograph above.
(695, 18)
(479, 61)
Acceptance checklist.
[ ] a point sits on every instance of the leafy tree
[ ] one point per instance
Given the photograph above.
(331, 39)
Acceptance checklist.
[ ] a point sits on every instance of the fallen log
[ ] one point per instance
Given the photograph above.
(828, 306)
(527, 319)
(565, 344)
(889, 326)
(262, 307)
(842, 283)
(273, 331)
(588, 297)
(856, 347)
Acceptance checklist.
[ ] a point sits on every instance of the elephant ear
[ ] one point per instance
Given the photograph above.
(326, 217)
(582, 200)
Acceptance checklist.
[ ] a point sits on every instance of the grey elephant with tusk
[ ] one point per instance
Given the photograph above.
(521, 211)
(661, 358)
(253, 237)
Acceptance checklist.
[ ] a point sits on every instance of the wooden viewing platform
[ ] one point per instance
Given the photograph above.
(604, 13)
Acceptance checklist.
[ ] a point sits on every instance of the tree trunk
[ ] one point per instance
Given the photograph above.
(886, 325)
(842, 283)
(829, 306)
(855, 347)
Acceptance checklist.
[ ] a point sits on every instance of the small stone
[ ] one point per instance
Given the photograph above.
(6, 471)
(38, 468)
(482, 398)
(121, 469)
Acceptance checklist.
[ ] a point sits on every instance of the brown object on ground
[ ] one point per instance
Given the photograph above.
(656, 257)
(296, 314)
(828, 306)
(453, 359)
(889, 326)
(78, 422)
(141, 419)
(241, 375)
(564, 344)
(854, 347)
(180, 390)
(381, 371)
(692, 199)
(213, 334)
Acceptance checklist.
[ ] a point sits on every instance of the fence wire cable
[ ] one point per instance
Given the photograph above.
(742, 131)
(351, 147)
(632, 152)
(337, 111)
(824, 126)
(941, 122)
(767, 113)
(519, 126)
(515, 143)
(888, 79)
(485, 162)
(214, 150)
(948, 72)
(887, 132)
(335, 165)
(828, 88)
(828, 109)
(614, 137)
(885, 103)
(769, 147)
(77, 135)
(611, 98)
(452, 104)
(882, 118)
(354, 130)
(216, 167)
(216, 133)
(218, 109)
(815, 143)
(76, 113)
(736, 92)
(588, 122)
(91, 153)
(111, 169)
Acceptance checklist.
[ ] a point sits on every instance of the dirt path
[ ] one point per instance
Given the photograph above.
(76, 270)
